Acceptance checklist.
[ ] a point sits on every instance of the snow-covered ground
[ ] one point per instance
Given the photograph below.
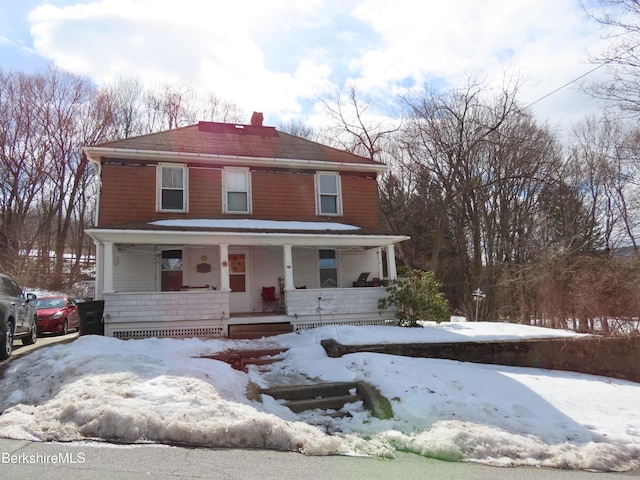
(154, 390)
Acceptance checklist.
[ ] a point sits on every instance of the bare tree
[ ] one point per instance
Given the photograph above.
(480, 165)
(125, 97)
(298, 128)
(138, 109)
(357, 129)
(604, 153)
(622, 57)
(47, 117)
(215, 109)
(23, 153)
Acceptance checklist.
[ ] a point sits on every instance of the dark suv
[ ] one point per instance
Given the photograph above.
(18, 318)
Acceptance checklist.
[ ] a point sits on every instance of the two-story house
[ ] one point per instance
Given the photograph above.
(207, 229)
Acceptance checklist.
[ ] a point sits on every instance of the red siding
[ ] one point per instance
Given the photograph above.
(129, 196)
(283, 196)
(360, 201)
(205, 192)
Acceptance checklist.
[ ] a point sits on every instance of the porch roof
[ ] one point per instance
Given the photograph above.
(244, 232)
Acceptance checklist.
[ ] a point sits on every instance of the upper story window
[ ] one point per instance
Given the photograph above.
(237, 190)
(172, 188)
(328, 193)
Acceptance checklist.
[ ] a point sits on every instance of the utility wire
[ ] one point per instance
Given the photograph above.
(581, 76)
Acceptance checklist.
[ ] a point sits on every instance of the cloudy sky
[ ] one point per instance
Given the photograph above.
(278, 56)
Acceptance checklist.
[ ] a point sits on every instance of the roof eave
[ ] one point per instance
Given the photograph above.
(95, 154)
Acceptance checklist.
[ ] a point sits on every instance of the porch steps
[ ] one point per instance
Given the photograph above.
(331, 396)
(258, 330)
(240, 359)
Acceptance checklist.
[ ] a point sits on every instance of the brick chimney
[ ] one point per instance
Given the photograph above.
(256, 119)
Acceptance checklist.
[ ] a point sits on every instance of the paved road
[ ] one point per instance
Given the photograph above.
(20, 459)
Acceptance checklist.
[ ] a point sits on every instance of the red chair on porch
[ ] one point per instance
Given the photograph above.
(269, 299)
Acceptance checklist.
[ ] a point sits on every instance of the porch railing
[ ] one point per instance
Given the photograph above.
(206, 312)
(165, 314)
(336, 302)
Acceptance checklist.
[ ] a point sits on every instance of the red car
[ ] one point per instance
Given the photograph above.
(57, 314)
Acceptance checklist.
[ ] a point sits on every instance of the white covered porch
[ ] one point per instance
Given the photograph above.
(223, 273)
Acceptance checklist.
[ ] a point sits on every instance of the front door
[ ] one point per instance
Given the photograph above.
(171, 271)
(240, 298)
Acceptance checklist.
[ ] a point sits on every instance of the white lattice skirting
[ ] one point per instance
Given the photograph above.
(173, 332)
(300, 326)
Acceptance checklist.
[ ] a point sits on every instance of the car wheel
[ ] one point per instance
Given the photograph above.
(7, 343)
(33, 335)
(65, 327)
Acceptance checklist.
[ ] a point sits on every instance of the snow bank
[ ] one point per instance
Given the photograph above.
(155, 391)
(142, 391)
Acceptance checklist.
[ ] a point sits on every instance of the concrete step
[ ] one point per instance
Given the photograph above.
(258, 330)
(322, 403)
(331, 396)
(301, 392)
(240, 359)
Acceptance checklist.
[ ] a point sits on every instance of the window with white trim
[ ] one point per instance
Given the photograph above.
(236, 190)
(171, 186)
(328, 193)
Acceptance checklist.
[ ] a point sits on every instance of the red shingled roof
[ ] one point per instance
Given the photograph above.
(238, 141)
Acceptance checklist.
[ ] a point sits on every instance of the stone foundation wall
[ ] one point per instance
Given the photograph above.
(616, 357)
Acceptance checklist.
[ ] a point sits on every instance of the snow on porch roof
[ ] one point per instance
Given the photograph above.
(253, 224)
(244, 232)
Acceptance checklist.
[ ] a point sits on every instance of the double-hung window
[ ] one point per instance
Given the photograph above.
(237, 190)
(328, 193)
(171, 182)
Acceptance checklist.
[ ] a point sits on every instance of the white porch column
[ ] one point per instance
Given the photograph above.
(98, 287)
(224, 268)
(108, 268)
(288, 267)
(391, 262)
(380, 263)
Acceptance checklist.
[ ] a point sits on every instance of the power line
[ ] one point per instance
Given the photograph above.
(566, 85)
(581, 76)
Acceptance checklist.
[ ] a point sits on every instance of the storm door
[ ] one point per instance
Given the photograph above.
(171, 271)
(240, 298)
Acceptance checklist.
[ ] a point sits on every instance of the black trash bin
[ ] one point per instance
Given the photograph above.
(91, 317)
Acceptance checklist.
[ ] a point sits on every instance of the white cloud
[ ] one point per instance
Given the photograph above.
(544, 42)
(275, 56)
(209, 44)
